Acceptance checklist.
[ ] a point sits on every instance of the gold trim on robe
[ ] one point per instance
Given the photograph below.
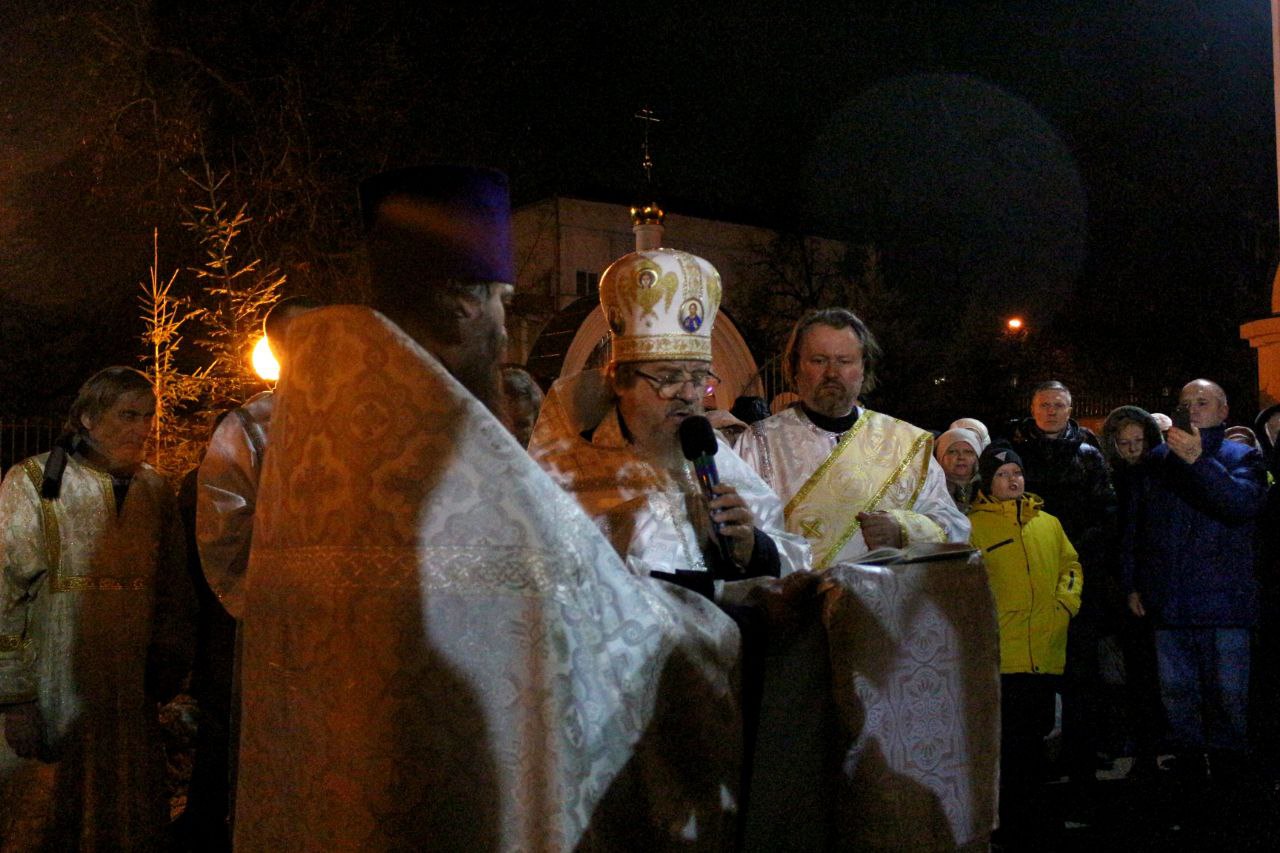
(59, 582)
(826, 507)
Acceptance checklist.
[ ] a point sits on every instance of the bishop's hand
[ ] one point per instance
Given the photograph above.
(734, 521)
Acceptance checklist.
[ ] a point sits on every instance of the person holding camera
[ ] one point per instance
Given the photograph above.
(1187, 565)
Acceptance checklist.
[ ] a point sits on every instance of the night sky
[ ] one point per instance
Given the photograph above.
(1107, 169)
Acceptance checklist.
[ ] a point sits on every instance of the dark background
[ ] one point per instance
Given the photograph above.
(1106, 170)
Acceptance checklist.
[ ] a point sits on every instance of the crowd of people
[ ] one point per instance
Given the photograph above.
(429, 609)
(1136, 588)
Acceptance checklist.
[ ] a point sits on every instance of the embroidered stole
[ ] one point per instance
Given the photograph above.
(852, 481)
(60, 581)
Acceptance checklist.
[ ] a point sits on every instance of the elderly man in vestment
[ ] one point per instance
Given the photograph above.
(441, 650)
(619, 441)
(610, 437)
(96, 628)
(853, 480)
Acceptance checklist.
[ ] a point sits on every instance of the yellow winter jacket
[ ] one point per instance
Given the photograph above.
(1035, 579)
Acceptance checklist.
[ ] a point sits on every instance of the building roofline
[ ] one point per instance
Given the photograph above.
(690, 209)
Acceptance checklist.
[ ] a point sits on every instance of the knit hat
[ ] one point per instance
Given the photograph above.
(954, 435)
(991, 460)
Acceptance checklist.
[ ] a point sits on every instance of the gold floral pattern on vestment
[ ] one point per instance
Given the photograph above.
(816, 528)
(920, 442)
(49, 518)
(813, 481)
(467, 570)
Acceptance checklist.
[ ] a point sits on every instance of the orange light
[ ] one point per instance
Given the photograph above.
(264, 363)
(1014, 324)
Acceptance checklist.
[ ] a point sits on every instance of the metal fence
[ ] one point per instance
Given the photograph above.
(1094, 405)
(23, 437)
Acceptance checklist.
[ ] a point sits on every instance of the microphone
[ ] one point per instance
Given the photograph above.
(698, 443)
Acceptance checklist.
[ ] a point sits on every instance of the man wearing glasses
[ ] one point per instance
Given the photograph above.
(611, 438)
(854, 480)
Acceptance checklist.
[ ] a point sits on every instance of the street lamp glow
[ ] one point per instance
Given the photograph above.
(1014, 324)
(264, 363)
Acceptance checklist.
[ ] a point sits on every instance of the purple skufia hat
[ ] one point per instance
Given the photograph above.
(438, 222)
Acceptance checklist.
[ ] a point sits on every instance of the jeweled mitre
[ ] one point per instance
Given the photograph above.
(660, 305)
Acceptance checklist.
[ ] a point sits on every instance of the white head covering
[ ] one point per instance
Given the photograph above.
(977, 427)
(660, 304)
(951, 436)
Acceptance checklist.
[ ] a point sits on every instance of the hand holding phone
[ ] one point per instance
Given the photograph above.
(1184, 444)
(1182, 418)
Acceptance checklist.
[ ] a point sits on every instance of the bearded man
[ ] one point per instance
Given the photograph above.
(853, 480)
(97, 626)
(441, 651)
(617, 440)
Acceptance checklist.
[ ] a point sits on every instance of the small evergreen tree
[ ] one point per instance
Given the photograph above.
(236, 296)
(174, 448)
(227, 308)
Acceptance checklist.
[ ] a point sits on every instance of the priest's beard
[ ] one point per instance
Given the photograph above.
(478, 367)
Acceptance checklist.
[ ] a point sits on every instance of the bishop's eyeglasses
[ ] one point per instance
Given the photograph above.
(668, 385)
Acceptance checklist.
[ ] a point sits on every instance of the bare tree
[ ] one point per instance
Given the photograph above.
(796, 273)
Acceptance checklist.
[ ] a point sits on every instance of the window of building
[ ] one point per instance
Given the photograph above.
(588, 283)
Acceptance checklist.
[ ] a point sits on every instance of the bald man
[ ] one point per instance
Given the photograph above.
(1188, 566)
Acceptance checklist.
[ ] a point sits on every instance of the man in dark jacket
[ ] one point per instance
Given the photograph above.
(1067, 470)
(1188, 565)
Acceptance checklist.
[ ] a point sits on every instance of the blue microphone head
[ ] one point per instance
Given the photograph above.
(697, 438)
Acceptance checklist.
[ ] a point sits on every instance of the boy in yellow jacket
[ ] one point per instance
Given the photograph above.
(1036, 581)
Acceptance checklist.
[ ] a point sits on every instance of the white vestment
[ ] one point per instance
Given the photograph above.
(788, 448)
(94, 600)
(441, 651)
(641, 508)
(226, 495)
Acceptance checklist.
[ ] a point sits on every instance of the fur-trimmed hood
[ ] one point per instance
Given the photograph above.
(1117, 417)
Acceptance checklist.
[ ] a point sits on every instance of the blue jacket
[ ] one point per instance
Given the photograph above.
(1189, 536)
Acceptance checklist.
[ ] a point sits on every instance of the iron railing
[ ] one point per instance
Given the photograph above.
(23, 437)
